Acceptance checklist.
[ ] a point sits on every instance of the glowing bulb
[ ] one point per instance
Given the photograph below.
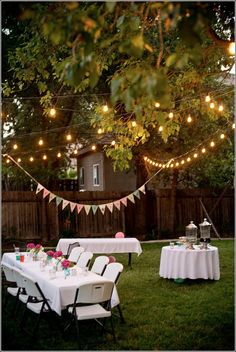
(31, 159)
(7, 161)
(203, 150)
(157, 105)
(68, 137)
(99, 131)
(171, 165)
(15, 146)
(41, 142)
(160, 165)
(220, 108)
(212, 105)
(207, 99)
(44, 157)
(195, 155)
(134, 123)
(171, 115)
(160, 129)
(222, 136)
(19, 160)
(59, 155)
(188, 159)
(113, 142)
(231, 48)
(177, 164)
(189, 119)
(75, 151)
(182, 162)
(233, 126)
(212, 144)
(145, 158)
(105, 108)
(93, 147)
(53, 112)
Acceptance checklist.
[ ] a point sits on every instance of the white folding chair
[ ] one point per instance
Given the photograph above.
(100, 264)
(36, 302)
(92, 301)
(112, 272)
(70, 247)
(23, 297)
(9, 275)
(84, 259)
(75, 254)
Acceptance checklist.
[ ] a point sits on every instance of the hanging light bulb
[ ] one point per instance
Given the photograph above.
(52, 112)
(59, 155)
(189, 119)
(195, 155)
(93, 147)
(220, 108)
(160, 129)
(212, 144)
(31, 159)
(203, 150)
(157, 104)
(212, 105)
(75, 151)
(19, 160)
(233, 126)
(188, 159)
(171, 115)
(222, 136)
(231, 48)
(133, 123)
(44, 157)
(68, 137)
(15, 146)
(208, 98)
(105, 108)
(113, 142)
(40, 142)
(182, 162)
(8, 161)
(177, 164)
(145, 158)
(171, 165)
(99, 131)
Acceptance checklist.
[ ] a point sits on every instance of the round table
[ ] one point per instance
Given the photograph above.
(181, 263)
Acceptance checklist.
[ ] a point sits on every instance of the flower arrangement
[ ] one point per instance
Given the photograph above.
(66, 264)
(30, 246)
(50, 254)
(57, 254)
(34, 248)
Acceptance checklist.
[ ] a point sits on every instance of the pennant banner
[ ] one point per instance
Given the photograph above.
(51, 197)
(94, 208)
(142, 189)
(64, 203)
(102, 208)
(137, 194)
(58, 200)
(72, 206)
(79, 208)
(45, 193)
(131, 198)
(87, 208)
(110, 207)
(117, 204)
(124, 201)
(39, 188)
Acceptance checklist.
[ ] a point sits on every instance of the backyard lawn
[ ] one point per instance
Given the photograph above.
(160, 314)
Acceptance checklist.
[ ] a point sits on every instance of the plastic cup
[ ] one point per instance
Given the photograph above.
(17, 253)
(172, 245)
(22, 258)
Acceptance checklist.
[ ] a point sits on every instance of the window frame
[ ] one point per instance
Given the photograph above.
(82, 176)
(96, 177)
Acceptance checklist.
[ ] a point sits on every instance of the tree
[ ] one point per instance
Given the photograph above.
(142, 61)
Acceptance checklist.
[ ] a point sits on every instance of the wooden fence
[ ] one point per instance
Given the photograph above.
(26, 215)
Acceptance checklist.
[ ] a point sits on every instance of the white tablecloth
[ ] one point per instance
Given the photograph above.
(179, 262)
(59, 291)
(102, 245)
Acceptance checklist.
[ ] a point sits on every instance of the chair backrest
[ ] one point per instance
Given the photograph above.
(100, 264)
(84, 259)
(31, 287)
(18, 277)
(8, 272)
(71, 246)
(112, 271)
(94, 292)
(75, 254)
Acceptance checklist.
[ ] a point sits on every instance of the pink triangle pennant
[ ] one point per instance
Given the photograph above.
(110, 207)
(124, 201)
(39, 188)
(64, 203)
(72, 206)
(117, 204)
(45, 193)
(79, 207)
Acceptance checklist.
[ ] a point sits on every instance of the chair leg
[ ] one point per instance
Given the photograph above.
(121, 315)
(112, 327)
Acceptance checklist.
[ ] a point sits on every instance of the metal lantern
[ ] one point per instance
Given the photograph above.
(205, 229)
(191, 234)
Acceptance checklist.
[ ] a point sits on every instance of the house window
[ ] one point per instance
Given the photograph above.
(81, 176)
(96, 175)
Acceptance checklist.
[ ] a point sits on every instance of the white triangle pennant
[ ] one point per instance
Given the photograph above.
(51, 197)
(117, 204)
(102, 208)
(94, 208)
(142, 189)
(39, 188)
(72, 206)
(137, 194)
(64, 203)
(110, 207)
(87, 208)
(131, 198)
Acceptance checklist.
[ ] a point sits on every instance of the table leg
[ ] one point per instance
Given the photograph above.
(129, 260)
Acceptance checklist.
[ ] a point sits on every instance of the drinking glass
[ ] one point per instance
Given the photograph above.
(17, 253)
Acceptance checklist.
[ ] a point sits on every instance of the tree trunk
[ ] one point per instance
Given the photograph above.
(173, 200)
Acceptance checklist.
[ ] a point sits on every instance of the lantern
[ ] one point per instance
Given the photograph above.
(205, 233)
(191, 234)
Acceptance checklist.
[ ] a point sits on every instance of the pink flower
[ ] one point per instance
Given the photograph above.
(65, 263)
(30, 246)
(38, 247)
(119, 235)
(57, 254)
(50, 253)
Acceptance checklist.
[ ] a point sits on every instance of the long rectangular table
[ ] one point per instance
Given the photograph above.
(59, 291)
(103, 245)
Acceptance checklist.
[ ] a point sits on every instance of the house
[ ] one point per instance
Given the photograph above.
(96, 173)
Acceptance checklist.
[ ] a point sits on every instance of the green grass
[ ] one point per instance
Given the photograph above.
(159, 314)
